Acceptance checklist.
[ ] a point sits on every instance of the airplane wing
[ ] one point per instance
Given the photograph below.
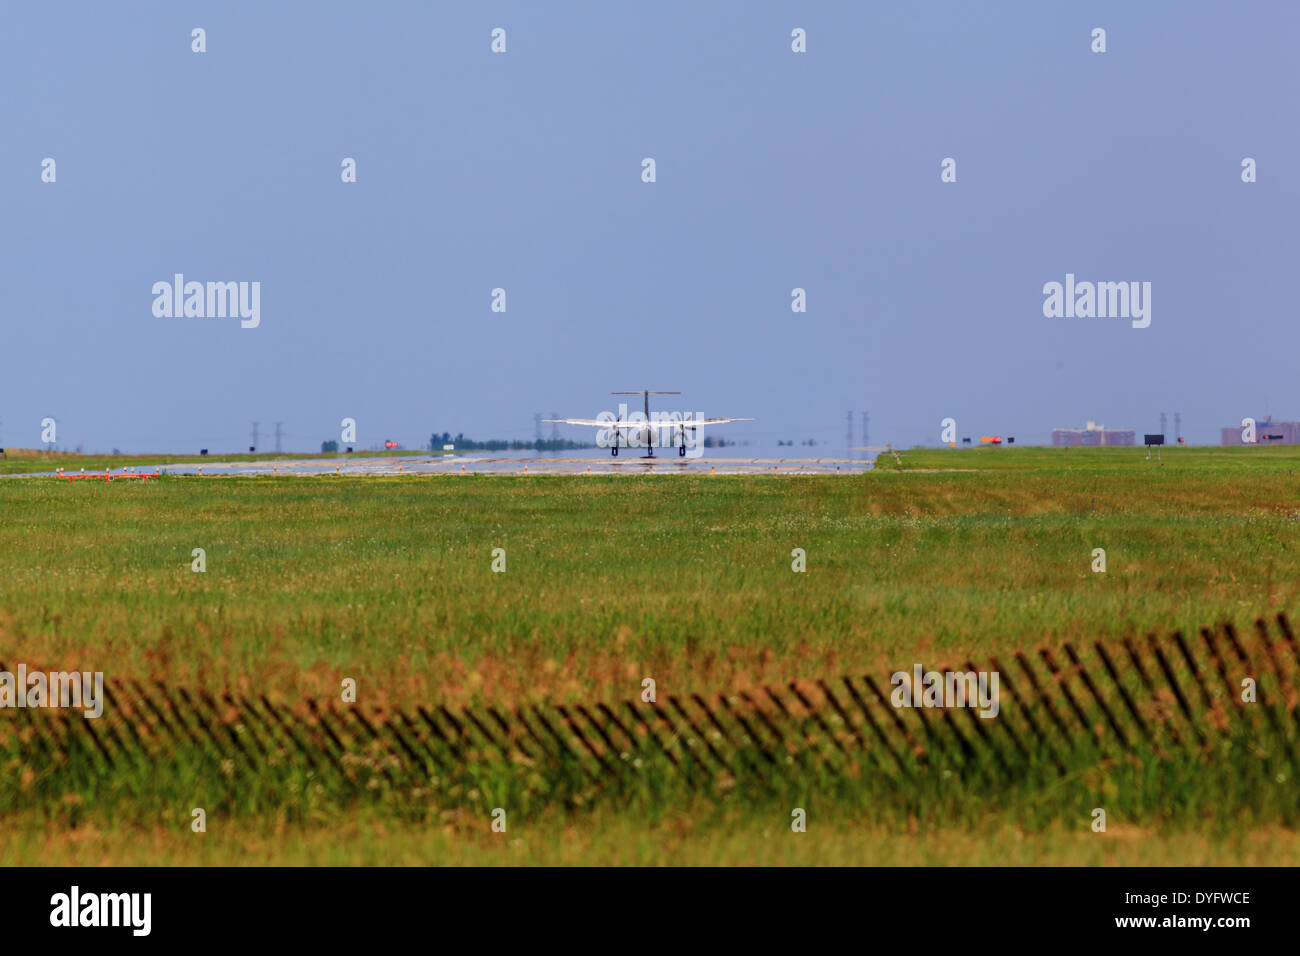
(697, 422)
(624, 424)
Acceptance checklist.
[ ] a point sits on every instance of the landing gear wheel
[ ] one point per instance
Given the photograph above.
(614, 451)
(681, 451)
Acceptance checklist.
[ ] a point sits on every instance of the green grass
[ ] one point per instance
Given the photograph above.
(389, 579)
(687, 579)
(26, 461)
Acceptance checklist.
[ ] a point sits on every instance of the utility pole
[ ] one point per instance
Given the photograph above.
(1178, 428)
(277, 436)
(1162, 423)
(848, 442)
(254, 436)
(555, 429)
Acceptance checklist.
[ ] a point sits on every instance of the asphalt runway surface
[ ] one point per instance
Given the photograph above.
(433, 465)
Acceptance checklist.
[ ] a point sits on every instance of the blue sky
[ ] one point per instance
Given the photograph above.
(522, 171)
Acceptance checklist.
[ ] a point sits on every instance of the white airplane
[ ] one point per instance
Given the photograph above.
(642, 432)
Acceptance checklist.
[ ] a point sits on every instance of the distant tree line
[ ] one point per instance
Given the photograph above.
(436, 442)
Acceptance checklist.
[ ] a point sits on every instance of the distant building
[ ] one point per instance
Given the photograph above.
(1092, 434)
(1267, 432)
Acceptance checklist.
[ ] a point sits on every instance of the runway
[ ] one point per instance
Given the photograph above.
(455, 465)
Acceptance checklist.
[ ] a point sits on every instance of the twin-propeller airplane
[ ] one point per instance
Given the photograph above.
(641, 431)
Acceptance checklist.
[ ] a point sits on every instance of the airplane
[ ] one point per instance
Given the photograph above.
(643, 432)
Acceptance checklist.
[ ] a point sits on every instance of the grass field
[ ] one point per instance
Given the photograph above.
(953, 554)
(27, 461)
